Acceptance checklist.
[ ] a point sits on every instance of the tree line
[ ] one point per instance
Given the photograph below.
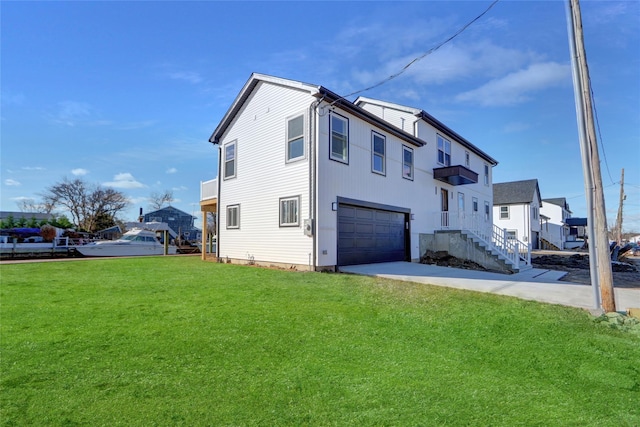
(91, 206)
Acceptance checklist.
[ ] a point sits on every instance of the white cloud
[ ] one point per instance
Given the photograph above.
(124, 180)
(79, 172)
(516, 87)
(71, 112)
(514, 127)
(33, 168)
(181, 188)
(172, 170)
(11, 182)
(188, 76)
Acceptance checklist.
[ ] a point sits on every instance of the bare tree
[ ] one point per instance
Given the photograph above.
(85, 202)
(30, 205)
(158, 200)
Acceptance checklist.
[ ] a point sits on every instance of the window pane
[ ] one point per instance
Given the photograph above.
(230, 152)
(378, 163)
(295, 127)
(229, 168)
(296, 148)
(339, 138)
(378, 145)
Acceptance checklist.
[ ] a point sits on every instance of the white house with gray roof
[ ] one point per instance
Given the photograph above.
(516, 210)
(310, 180)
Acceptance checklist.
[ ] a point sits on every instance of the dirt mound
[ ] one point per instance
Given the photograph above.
(443, 259)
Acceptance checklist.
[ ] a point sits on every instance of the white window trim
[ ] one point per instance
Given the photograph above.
(235, 160)
(289, 139)
(288, 199)
(409, 149)
(233, 226)
(486, 174)
(331, 155)
(383, 172)
(500, 212)
(445, 143)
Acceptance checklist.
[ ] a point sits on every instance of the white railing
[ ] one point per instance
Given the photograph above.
(209, 189)
(494, 237)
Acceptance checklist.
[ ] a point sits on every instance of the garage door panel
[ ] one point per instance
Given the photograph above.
(368, 235)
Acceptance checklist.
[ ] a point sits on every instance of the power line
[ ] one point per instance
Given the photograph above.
(429, 52)
(595, 112)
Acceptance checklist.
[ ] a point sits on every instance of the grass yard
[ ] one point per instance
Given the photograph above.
(177, 341)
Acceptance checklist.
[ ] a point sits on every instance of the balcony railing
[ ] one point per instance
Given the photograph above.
(209, 189)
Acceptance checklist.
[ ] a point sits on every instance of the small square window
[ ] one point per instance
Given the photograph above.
(289, 211)
(233, 216)
(378, 150)
(407, 162)
(339, 131)
(295, 138)
(504, 212)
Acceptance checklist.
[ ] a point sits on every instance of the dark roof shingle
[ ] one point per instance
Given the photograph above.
(515, 192)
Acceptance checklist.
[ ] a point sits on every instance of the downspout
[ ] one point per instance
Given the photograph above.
(218, 204)
(312, 183)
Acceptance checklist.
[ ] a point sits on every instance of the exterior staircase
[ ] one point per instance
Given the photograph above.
(547, 245)
(490, 246)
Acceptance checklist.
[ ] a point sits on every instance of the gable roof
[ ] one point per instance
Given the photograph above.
(558, 201)
(320, 92)
(423, 115)
(515, 192)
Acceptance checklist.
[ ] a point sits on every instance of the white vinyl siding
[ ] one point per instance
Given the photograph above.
(290, 212)
(261, 131)
(339, 130)
(230, 160)
(378, 149)
(295, 138)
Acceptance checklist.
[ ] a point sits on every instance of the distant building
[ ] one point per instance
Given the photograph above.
(4, 215)
(181, 223)
(516, 209)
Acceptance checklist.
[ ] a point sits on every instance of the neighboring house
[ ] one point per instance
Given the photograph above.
(554, 229)
(516, 209)
(310, 180)
(180, 223)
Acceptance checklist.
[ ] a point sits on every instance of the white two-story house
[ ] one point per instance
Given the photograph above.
(310, 180)
(516, 210)
(554, 230)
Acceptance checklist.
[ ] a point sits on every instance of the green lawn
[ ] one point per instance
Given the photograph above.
(177, 341)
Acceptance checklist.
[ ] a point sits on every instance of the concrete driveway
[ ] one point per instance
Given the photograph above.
(534, 284)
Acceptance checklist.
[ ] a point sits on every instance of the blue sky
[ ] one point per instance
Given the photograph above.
(126, 94)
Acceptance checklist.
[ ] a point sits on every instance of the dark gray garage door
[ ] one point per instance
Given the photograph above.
(367, 235)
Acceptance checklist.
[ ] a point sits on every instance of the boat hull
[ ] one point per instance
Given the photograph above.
(113, 250)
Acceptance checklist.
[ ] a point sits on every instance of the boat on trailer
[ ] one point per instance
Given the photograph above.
(135, 242)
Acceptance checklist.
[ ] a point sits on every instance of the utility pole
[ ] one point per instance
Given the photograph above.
(599, 234)
(619, 218)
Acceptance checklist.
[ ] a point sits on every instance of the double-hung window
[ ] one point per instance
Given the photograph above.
(487, 211)
(339, 130)
(444, 151)
(504, 212)
(486, 174)
(289, 211)
(295, 138)
(230, 160)
(475, 205)
(378, 156)
(407, 163)
(233, 216)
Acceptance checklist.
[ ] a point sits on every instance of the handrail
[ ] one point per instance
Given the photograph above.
(493, 236)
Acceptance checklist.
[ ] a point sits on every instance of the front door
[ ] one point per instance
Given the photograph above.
(444, 207)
